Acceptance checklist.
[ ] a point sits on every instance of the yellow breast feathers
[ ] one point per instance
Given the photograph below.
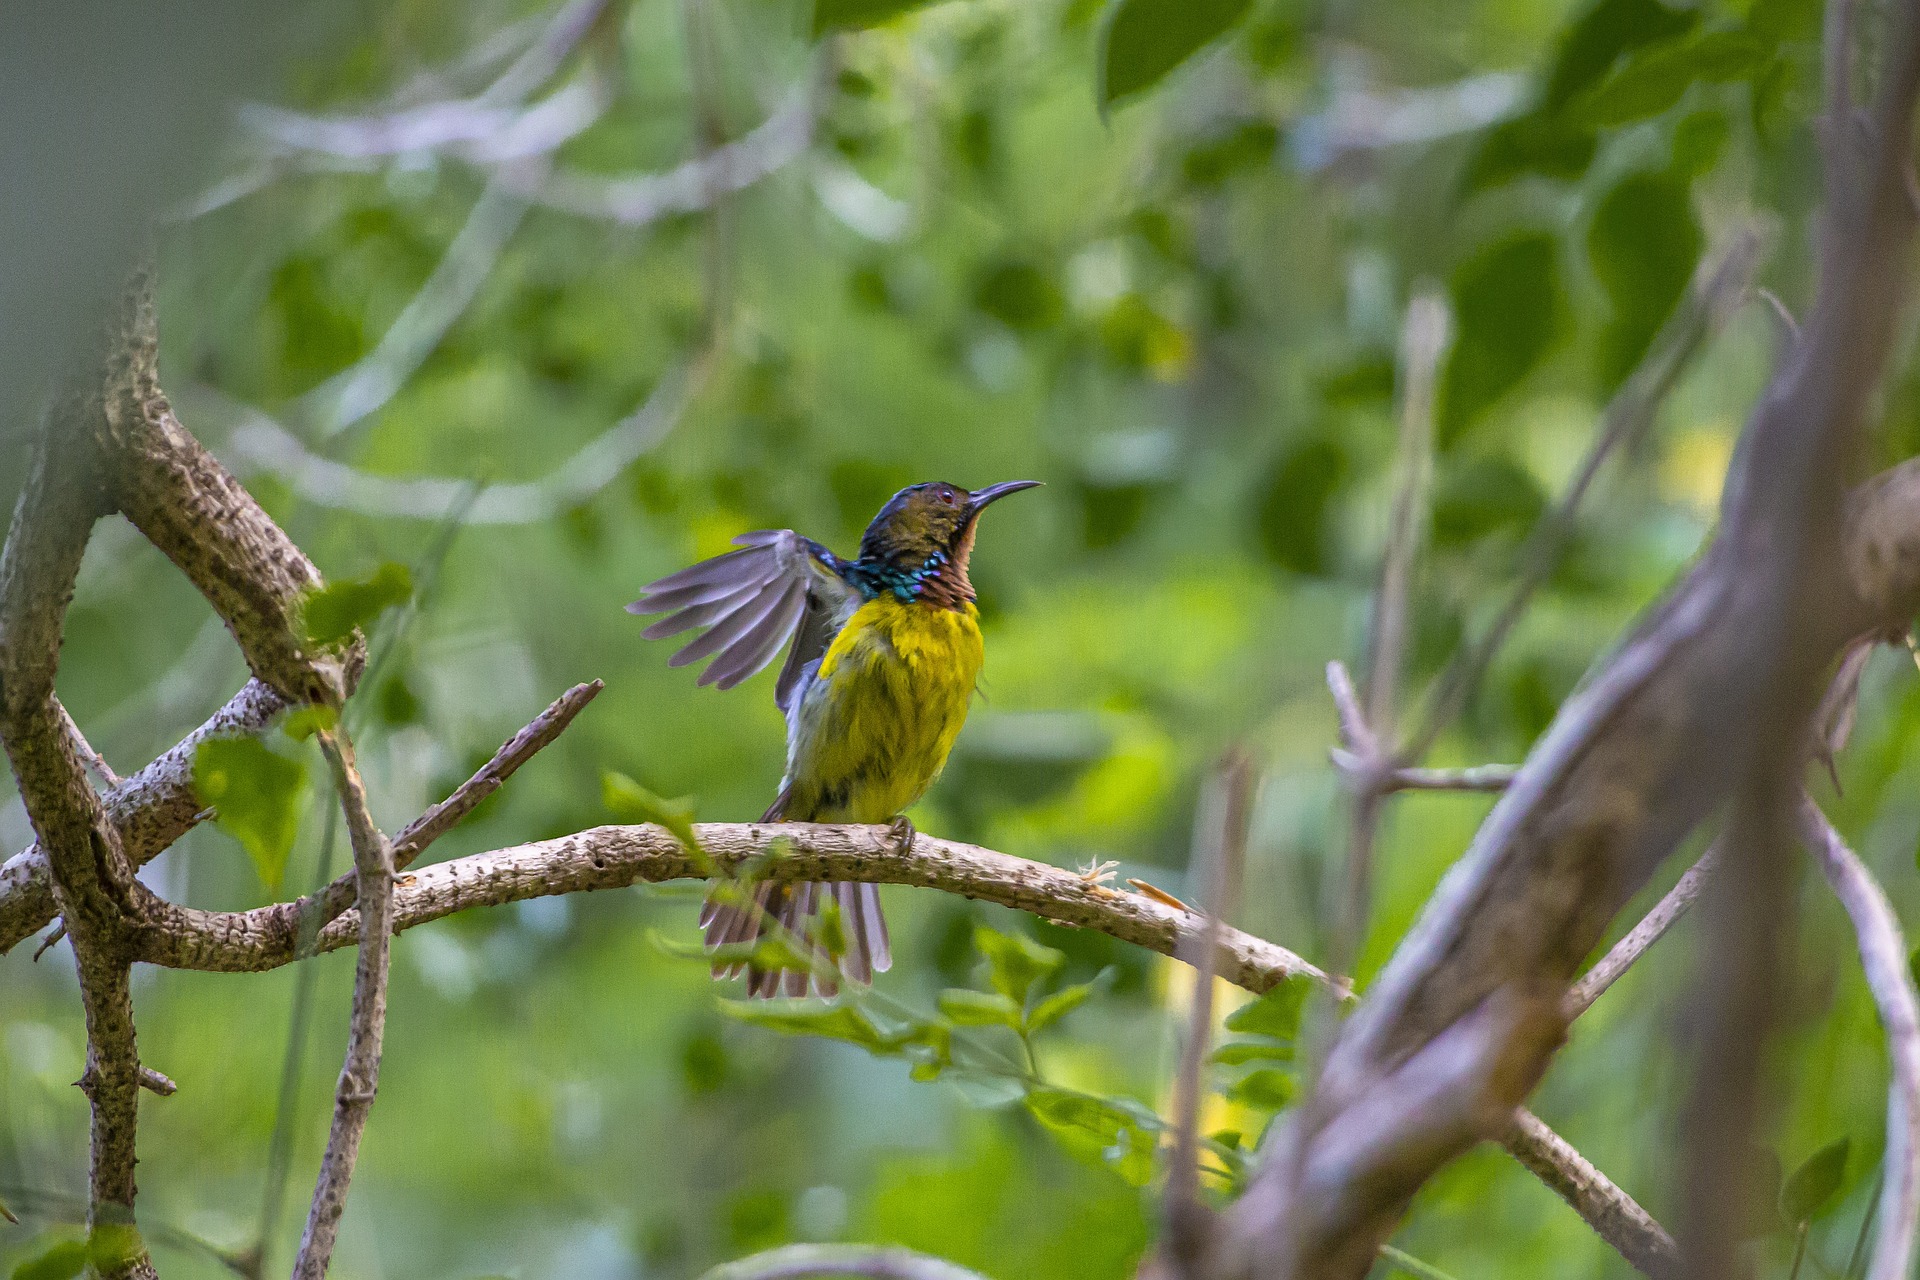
(876, 725)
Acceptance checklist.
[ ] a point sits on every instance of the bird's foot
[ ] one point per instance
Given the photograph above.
(902, 831)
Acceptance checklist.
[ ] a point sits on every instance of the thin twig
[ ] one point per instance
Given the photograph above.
(1717, 289)
(264, 444)
(807, 1261)
(432, 125)
(360, 1075)
(640, 199)
(1611, 1212)
(1423, 339)
(443, 817)
(1883, 957)
(614, 857)
(1652, 927)
(1482, 777)
(366, 386)
(1220, 849)
(93, 758)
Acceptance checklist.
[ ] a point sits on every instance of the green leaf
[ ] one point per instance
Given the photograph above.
(1538, 142)
(1268, 1089)
(1482, 495)
(1240, 1052)
(1913, 966)
(303, 722)
(979, 1008)
(329, 614)
(857, 15)
(829, 930)
(1783, 21)
(630, 802)
(61, 1261)
(799, 1017)
(1140, 41)
(1061, 1003)
(1403, 1261)
(1654, 79)
(257, 794)
(1809, 1188)
(1602, 34)
(1124, 1136)
(1015, 962)
(1276, 1014)
(1698, 142)
(1508, 300)
(1298, 530)
(1643, 245)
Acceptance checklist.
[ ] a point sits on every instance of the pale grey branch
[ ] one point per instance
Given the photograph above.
(1883, 956)
(805, 1261)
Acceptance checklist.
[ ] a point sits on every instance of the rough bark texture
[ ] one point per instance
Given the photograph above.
(360, 1075)
(189, 507)
(1613, 1215)
(1727, 665)
(151, 809)
(91, 879)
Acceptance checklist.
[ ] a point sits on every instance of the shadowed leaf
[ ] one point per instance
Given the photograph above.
(330, 614)
(1811, 1187)
(257, 792)
(1511, 313)
(1140, 41)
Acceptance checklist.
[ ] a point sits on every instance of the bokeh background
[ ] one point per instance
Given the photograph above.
(925, 252)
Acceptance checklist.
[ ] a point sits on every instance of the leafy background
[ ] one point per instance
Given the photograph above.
(1155, 254)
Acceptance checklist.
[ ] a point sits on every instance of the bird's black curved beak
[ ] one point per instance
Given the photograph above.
(978, 500)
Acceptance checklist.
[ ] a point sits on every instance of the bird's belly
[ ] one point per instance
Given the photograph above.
(878, 722)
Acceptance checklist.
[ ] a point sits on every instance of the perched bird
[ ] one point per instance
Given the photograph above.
(886, 651)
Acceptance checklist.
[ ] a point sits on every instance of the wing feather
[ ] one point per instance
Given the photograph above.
(751, 602)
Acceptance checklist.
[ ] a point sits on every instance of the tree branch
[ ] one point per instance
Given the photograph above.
(91, 879)
(1630, 766)
(263, 444)
(150, 810)
(616, 857)
(1618, 1219)
(360, 1076)
(1652, 927)
(1883, 956)
(1716, 293)
(804, 1261)
(189, 507)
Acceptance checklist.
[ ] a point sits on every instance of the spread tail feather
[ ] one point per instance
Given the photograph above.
(795, 908)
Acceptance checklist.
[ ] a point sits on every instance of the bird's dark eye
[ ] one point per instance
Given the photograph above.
(946, 494)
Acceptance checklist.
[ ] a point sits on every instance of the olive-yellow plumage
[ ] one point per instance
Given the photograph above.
(884, 656)
(880, 718)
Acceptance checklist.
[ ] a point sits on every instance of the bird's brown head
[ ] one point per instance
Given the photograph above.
(918, 546)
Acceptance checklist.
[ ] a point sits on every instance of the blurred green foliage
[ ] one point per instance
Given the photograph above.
(1154, 253)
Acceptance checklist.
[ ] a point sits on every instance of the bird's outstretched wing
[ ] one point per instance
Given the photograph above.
(751, 601)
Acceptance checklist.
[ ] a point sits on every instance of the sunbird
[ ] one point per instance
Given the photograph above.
(886, 652)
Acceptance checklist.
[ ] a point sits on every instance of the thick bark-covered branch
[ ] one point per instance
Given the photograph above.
(150, 809)
(90, 877)
(615, 857)
(199, 516)
(1631, 765)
